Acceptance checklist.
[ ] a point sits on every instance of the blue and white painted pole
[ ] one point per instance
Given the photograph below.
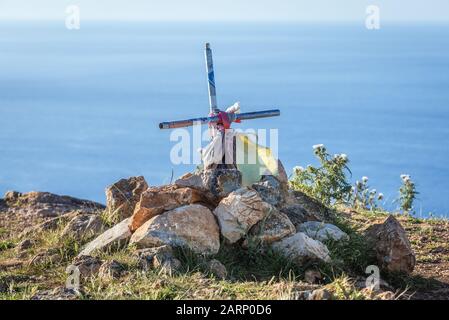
(211, 81)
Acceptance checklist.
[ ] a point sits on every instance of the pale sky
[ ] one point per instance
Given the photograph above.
(228, 10)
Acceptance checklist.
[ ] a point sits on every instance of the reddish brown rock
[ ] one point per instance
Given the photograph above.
(393, 249)
(155, 201)
(123, 196)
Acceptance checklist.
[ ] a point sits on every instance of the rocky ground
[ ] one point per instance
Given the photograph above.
(206, 237)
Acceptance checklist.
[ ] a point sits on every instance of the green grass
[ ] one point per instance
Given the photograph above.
(6, 244)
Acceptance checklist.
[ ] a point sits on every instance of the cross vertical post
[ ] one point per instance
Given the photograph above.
(211, 81)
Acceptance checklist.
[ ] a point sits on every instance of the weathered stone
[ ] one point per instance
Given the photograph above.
(191, 226)
(215, 184)
(24, 245)
(393, 250)
(269, 190)
(147, 257)
(110, 270)
(322, 231)
(87, 266)
(273, 228)
(312, 207)
(239, 211)
(217, 269)
(155, 201)
(222, 181)
(191, 180)
(298, 215)
(117, 235)
(274, 189)
(83, 226)
(301, 248)
(122, 197)
(46, 204)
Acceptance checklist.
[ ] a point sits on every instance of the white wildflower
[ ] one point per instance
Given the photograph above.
(380, 196)
(343, 156)
(365, 179)
(374, 191)
(318, 146)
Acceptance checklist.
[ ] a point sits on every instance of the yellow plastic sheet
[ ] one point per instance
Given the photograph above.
(254, 160)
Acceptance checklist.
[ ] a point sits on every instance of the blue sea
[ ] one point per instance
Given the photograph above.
(79, 109)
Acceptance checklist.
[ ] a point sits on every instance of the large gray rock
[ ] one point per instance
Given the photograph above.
(48, 205)
(273, 228)
(122, 197)
(191, 180)
(298, 215)
(269, 189)
(83, 226)
(393, 250)
(192, 226)
(222, 181)
(116, 235)
(301, 248)
(274, 188)
(322, 231)
(216, 183)
(314, 209)
(239, 211)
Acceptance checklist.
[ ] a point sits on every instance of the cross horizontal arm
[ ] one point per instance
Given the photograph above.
(232, 117)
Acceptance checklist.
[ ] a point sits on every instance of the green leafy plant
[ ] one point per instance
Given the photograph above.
(407, 194)
(327, 182)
